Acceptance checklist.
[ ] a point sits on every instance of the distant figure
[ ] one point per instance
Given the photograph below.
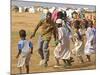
(25, 49)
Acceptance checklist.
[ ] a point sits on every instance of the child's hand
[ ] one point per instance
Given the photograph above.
(32, 36)
(30, 40)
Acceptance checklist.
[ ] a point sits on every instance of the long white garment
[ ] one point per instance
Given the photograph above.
(78, 46)
(89, 48)
(62, 49)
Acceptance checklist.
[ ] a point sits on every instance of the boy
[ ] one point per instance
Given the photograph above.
(78, 50)
(46, 27)
(62, 50)
(25, 48)
(90, 41)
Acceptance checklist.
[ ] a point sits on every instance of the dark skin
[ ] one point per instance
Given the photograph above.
(20, 51)
(64, 60)
(48, 30)
(27, 66)
(87, 24)
(48, 20)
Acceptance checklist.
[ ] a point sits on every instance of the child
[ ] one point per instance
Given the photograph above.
(78, 42)
(25, 48)
(62, 49)
(90, 38)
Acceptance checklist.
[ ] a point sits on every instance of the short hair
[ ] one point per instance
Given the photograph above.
(22, 33)
(48, 13)
(77, 24)
(86, 23)
(90, 23)
(74, 13)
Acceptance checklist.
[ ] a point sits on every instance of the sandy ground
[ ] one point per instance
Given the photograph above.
(28, 22)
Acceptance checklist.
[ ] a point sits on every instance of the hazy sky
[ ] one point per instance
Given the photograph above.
(31, 3)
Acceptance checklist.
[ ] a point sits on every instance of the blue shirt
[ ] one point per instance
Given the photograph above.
(21, 44)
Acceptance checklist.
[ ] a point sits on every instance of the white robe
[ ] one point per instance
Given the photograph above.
(62, 49)
(78, 46)
(89, 47)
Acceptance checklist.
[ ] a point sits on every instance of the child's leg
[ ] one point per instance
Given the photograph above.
(46, 52)
(20, 70)
(88, 58)
(81, 59)
(27, 63)
(40, 50)
(27, 69)
(57, 61)
(69, 61)
(65, 63)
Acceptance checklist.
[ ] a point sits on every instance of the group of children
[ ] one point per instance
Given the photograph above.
(77, 35)
(66, 30)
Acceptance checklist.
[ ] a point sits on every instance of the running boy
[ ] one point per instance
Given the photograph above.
(62, 50)
(90, 41)
(25, 48)
(78, 50)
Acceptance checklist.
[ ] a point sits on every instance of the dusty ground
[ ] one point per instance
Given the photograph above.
(28, 22)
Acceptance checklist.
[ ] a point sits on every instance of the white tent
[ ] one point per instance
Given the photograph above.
(39, 9)
(69, 12)
(20, 9)
(52, 9)
(45, 11)
(31, 10)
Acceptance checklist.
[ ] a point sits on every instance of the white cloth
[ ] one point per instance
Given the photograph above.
(26, 48)
(62, 49)
(59, 21)
(25, 54)
(78, 46)
(23, 60)
(89, 48)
